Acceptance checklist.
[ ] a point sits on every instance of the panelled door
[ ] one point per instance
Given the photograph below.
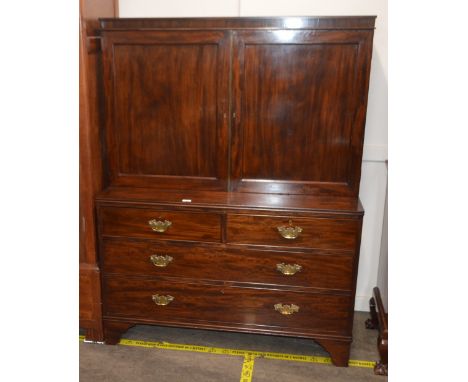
(166, 108)
(299, 98)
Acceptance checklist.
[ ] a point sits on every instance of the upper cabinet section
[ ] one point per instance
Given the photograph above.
(269, 105)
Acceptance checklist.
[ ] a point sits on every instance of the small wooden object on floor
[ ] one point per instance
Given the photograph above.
(379, 321)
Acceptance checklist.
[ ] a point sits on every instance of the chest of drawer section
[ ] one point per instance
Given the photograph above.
(275, 271)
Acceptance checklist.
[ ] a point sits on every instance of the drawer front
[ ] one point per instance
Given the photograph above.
(141, 257)
(133, 298)
(134, 222)
(322, 233)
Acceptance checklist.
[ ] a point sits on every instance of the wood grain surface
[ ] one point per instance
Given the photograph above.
(316, 232)
(321, 270)
(297, 96)
(167, 101)
(193, 302)
(239, 201)
(134, 222)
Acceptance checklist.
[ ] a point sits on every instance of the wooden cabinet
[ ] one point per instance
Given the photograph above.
(231, 158)
(90, 169)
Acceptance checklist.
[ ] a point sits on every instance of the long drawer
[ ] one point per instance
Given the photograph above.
(177, 302)
(160, 224)
(144, 257)
(323, 233)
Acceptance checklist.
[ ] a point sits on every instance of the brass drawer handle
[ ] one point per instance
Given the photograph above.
(286, 309)
(160, 261)
(289, 232)
(159, 225)
(288, 269)
(162, 300)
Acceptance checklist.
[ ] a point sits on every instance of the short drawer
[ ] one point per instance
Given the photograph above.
(149, 223)
(143, 257)
(321, 233)
(177, 303)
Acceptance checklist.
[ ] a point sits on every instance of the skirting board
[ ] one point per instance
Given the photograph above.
(361, 304)
(375, 153)
(372, 194)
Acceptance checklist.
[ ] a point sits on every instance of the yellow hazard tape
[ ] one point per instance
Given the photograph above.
(249, 356)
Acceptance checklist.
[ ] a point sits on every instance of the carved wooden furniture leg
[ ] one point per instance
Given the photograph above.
(113, 330)
(372, 322)
(338, 350)
(381, 368)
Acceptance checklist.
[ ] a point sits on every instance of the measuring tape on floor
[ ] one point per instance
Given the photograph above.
(247, 368)
(249, 356)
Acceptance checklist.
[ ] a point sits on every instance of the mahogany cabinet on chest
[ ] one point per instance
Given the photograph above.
(231, 158)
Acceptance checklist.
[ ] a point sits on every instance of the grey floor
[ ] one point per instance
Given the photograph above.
(124, 363)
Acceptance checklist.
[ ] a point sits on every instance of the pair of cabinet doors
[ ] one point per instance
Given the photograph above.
(277, 111)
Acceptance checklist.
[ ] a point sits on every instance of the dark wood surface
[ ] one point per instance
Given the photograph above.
(229, 128)
(253, 307)
(379, 321)
(133, 222)
(299, 130)
(316, 233)
(321, 270)
(87, 301)
(90, 171)
(280, 112)
(170, 128)
(239, 201)
(173, 133)
(114, 329)
(318, 22)
(247, 268)
(339, 350)
(234, 109)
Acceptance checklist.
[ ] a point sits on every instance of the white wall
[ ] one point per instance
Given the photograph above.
(178, 8)
(382, 276)
(374, 172)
